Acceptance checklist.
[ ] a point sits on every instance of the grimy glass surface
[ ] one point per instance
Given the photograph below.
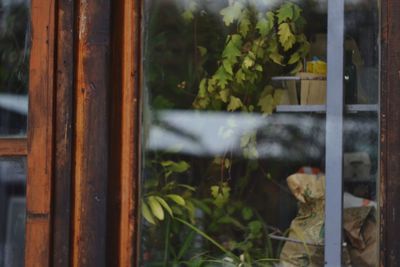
(361, 132)
(14, 66)
(233, 133)
(12, 211)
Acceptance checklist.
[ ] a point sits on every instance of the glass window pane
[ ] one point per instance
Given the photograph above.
(361, 131)
(12, 211)
(14, 66)
(233, 140)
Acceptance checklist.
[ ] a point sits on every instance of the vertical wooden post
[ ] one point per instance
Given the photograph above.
(130, 131)
(63, 133)
(124, 138)
(40, 135)
(390, 134)
(91, 133)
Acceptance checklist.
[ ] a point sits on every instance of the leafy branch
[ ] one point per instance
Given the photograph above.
(257, 42)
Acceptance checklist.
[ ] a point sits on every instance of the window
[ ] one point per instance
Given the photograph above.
(14, 71)
(260, 133)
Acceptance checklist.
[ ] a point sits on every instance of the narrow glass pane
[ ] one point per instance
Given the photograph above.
(12, 211)
(361, 132)
(233, 138)
(14, 66)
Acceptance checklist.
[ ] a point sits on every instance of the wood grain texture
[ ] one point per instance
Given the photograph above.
(13, 147)
(130, 133)
(390, 134)
(40, 134)
(63, 134)
(124, 155)
(91, 133)
(115, 141)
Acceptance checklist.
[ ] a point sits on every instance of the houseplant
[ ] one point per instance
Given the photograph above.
(201, 222)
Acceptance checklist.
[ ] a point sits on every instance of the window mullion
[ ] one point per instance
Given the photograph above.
(334, 135)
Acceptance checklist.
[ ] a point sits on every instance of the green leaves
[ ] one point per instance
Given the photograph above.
(257, 42)
(220, 193)
(248, 143)
(146, 213)
(232, 48)
(222, 77)
(174, 167)
(286, 37)
(285, 12)
(244, 24)
(265, 24)
(247, 213)
(156, 208)
(231, 13)
(165, 205)
(177, 199)
(294, 58)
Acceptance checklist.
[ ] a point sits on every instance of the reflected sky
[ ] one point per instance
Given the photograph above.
(281, 136)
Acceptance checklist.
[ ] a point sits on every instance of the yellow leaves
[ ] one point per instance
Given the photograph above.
(266, 104)
(220, 193)
(248, 62)
(224, 95)
(286, 37)
(234, 103)
(242, 65)
(277, 58)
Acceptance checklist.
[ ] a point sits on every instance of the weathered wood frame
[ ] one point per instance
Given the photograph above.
(40, 134)
(70, 192)
(390, 134)
(84, 104)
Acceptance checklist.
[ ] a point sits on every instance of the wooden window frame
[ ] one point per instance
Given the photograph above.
(389, 182)
(75, 42)
(40, 134)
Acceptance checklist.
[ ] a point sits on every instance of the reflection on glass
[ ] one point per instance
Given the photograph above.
(12, 211)
(361, 135)
(229, 113)
(14, 69)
